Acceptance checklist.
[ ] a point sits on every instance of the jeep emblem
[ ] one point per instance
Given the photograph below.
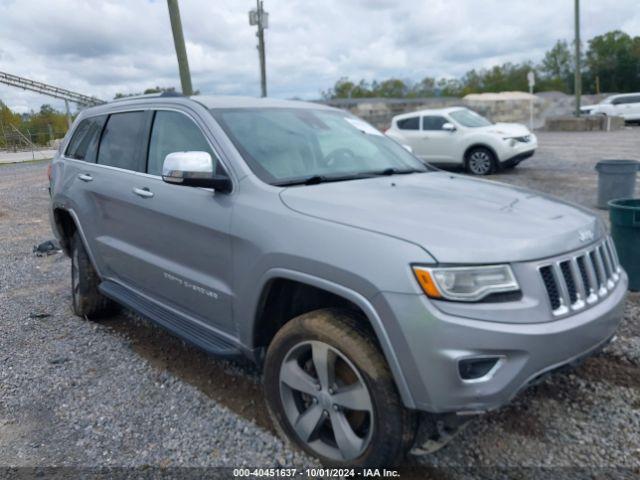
(585, 235)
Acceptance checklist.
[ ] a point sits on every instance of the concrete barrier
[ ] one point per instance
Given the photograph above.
(567, 123)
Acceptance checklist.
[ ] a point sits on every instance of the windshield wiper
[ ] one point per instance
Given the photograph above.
(316, 179)
(397, 171)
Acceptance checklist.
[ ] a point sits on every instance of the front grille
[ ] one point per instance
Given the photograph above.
(551, 286)
(581, 280)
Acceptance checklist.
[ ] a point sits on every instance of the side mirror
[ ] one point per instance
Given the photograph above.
(449, 127)
(193, 169)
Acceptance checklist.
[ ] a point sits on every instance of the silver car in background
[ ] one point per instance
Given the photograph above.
(386, 301)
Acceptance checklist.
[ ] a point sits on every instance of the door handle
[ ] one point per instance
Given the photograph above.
(85, 177)
(143, 192)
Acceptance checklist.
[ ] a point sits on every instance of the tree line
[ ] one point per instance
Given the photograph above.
(611, 63)
(43, 126)
(39, 127)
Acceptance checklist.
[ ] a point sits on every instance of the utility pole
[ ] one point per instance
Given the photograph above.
(66, 107)
(261, 18)
(531, 80)
(578, 77)
(181, 51)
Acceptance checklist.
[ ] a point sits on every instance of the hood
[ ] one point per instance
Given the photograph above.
(506, 129)
(455, 218)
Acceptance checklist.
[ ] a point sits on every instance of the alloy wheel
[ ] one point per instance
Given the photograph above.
(326, 401)
(480, 162)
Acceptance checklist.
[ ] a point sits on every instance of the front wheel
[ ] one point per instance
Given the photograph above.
(329, 390)
(481, 161)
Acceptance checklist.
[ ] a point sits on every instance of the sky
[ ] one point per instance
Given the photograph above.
(102, 47)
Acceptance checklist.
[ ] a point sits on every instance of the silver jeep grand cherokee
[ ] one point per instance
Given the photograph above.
(386, 301)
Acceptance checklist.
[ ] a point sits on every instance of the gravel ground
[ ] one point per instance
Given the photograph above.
(125, 393)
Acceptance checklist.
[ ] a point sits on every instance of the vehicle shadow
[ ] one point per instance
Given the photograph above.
(234, 384)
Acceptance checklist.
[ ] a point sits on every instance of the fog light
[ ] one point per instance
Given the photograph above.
(478, 368)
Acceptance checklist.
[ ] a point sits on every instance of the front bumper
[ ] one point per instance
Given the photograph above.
(435, 341)
(516, 159)
(509, 156)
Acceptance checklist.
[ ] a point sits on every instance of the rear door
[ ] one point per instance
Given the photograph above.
(79, 172)
(179, 235)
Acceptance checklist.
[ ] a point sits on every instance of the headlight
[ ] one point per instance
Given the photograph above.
(466, 284)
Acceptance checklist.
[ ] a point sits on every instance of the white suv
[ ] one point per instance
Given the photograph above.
(460, 137)
(626, 106)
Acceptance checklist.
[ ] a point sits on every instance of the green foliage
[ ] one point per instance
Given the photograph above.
(615, 59)
(612, 58)
(147, 91)
(557, 67)
(40, 127)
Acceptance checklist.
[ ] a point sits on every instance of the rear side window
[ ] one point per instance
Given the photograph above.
(433, 123)
(174, 132)
(122, 140)
(412, 123)
(84, 143)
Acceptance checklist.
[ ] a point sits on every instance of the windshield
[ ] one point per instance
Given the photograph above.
(286, 145)
(469, 118)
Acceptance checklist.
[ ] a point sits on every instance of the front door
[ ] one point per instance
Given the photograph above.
(439, 144)
(182, 233)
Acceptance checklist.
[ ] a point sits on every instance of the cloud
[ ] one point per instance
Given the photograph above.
(102, 48)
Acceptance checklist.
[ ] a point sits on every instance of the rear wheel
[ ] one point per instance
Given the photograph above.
(330, 391)
(88, 302)
(481, 161)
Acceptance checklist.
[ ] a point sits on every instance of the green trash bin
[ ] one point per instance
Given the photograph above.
(625, 230)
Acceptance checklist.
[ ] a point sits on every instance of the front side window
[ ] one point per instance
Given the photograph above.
(284, 144)
(412, 123)
(469, 118)
(626, 100)
(174, 132)
(84, 143)
(122, 140)
(433, 122)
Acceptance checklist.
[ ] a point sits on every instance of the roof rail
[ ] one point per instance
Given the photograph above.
(168, 93)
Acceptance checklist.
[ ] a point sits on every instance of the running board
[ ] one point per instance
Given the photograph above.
(187, 328)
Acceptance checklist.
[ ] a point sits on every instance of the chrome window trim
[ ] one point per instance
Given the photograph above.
(147, 108)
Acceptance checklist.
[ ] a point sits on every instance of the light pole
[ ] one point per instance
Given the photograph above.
(261, 18)
(577, 81)
(531, 80)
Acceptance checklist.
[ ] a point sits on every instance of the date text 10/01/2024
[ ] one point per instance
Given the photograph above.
(316, 472)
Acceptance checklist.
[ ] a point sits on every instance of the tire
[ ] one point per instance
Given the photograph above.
(87, 301)
(375, 434)
(481, 161)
